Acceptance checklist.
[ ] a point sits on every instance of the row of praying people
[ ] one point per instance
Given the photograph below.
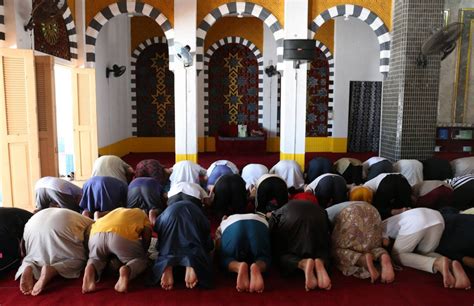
(299, 237)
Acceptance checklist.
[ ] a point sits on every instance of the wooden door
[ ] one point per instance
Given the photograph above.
(45, 96)
(85, 122)
(19, 153)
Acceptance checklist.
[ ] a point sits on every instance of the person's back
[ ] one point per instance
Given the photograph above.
(113, 166)
(318, 166)
(411, 221)
(103, 193)
(125, 222)
(251, 173)
(291, 173)
(186, 171)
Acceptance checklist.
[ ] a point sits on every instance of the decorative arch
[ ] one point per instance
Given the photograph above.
(330, 60)
(377, 25)
(207, 57)
(125, 7)
(247, 8)
(135, 56)
(71, 31)
(2, 20)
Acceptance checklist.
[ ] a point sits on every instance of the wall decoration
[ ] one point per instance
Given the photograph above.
(152, 90)
(125, 7)
(215, 46)
(377, 25)
(364, 119)
(317, 96)
(51, 36)
(244, 8)
(233, 88)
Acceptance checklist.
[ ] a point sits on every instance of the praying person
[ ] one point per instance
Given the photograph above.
(12, 225)
(56, 192)
(375, 166)
(357, 243)
(300, 235)
(113, 166)
(218, 169)
(290, 172)
(184, 241)
(411, 169)
(191, 192)
(244, 244)
(350, 169)
(102, 194)
(125, 233)
(417, 233)
(230, 195)
(432, 194)
(329, 189)
(270, 193)
(251, 173)
(316, 167)
(463, 195)
(186, 171)
(146, 193)
(54, 241)
(152, 168)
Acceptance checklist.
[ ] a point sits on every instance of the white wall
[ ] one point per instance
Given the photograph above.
(356, 58)
(17, 14)
(113, 94)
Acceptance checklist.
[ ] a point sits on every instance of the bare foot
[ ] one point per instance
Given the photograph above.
(243, 282)
(462, 281)
(324, 282)
(122, 283)
(374, 273)
(27, 281)
(88, 281)
(190, 278)
(307, 265)
(47, 273)
(256, 279)
(167, 278)
(442, 265)
(388, 275)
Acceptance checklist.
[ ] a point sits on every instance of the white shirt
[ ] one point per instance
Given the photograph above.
(239, 217)
(191, 189)
(375, 182)
(290, 172)
(411, 221)
(463, 166)
(223, 162)
(368, 163)
(58, 184)
(111, 165)
(186, 171)
(411, 169)
(252, 173)
(312, 186)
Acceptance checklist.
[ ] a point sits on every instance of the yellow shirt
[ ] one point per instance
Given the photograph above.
(125, 222)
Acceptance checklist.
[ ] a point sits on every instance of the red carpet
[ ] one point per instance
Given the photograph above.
(410, 288)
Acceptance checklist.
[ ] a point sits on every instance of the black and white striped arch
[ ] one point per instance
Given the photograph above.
(2, 20)
(135, 55)
(233, 8)
(71, 31)
(125, 7)
(207, 57)
(377, 25)
(330, 59)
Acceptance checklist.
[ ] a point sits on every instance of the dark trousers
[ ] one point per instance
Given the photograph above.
(383, 166)
(272, 193)
(230, 195)
(393, 192)
(331, 190)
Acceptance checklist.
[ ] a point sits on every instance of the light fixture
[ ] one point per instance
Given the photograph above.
(240, 15)
(346, 17)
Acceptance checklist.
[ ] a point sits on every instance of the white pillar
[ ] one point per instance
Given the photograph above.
(17, 14)
(185, 81)
(270, 84)
(293, 87)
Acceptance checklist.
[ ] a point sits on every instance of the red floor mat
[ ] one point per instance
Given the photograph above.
(410, 288)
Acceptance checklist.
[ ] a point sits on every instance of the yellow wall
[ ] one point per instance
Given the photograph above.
(276, 7)
(72, 6)
(326, 35)
(383, 8)
(248, 28)
(95, 6)
(142, 28)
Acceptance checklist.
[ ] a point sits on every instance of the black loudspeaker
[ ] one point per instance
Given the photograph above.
(299, 49)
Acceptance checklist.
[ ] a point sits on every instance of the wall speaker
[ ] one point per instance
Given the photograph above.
(299, 49)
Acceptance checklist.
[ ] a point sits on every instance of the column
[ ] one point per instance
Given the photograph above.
(410, 94)
(185, 83)
(293, 88)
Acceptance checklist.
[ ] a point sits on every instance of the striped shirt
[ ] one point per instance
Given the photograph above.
(458, 181)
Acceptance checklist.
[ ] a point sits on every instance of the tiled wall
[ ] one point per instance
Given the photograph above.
(410, 93)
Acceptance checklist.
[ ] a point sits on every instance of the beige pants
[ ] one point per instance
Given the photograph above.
(417, 250)
(129, 252)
